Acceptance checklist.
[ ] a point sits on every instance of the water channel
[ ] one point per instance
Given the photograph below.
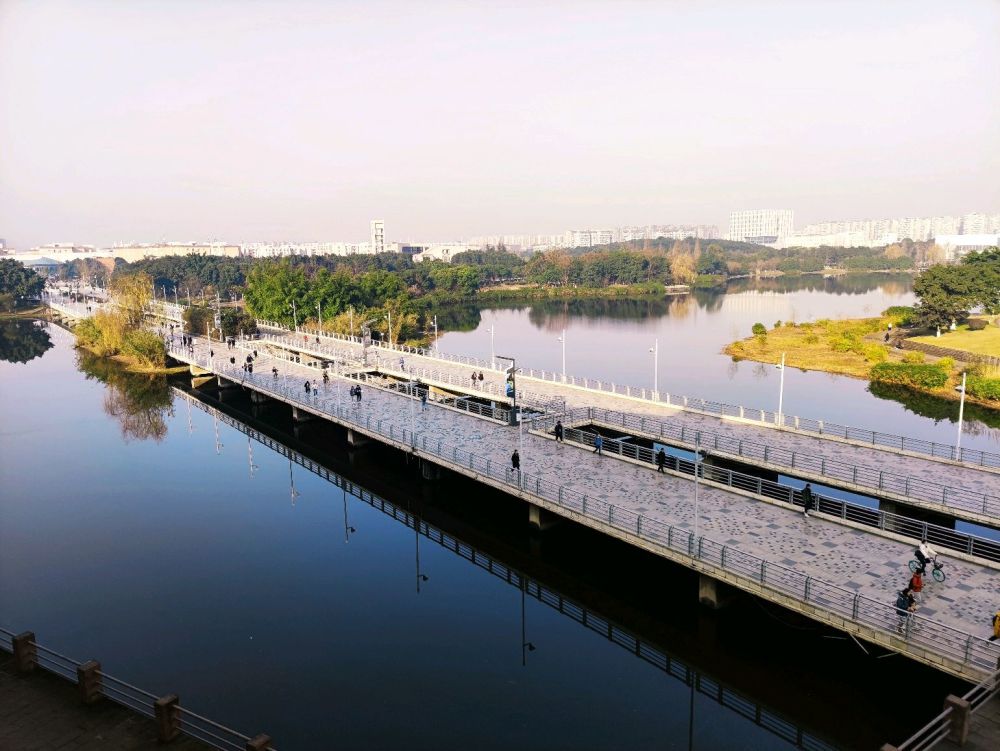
(142, 528)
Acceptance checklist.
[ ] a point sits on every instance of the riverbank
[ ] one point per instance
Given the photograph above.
(856, 348)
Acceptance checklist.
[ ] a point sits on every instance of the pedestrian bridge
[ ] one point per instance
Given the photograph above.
(832, 570)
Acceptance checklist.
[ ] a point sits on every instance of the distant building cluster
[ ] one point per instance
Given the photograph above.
(775, 227)
(957, 235)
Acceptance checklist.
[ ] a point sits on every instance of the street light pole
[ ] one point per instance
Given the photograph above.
(295, 316)
(655, 349)
(435, 333)
(961, 414)
(493, 357)
(780, 417)
(512, 378)
(319, 308)
(697, 460)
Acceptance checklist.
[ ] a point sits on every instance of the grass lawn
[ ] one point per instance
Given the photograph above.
(985, 342)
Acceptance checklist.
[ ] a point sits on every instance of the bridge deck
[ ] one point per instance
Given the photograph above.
(964, 491)
(870, 566)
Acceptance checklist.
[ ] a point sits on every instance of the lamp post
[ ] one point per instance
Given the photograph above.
(779, 419)
(352, 321)
(563, 340)
(697, 461)
(511, 373)
(295, 316)
(435, 333)
(319, 308)
(655, 349)
(493, 357)
(961, 413)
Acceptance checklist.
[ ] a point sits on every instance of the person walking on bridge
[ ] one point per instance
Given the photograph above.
(307, 387)
(559, 431)
(598, 444)
(661, 459)
(515, 462)
(807, 500)
(905, 605)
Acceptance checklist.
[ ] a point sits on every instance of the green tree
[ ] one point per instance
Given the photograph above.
(17, 281)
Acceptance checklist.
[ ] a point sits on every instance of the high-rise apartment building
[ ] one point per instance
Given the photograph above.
(377, 236)
(760, 225)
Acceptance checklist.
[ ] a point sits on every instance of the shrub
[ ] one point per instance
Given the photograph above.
(875, 353)
(983, 387)
(910, 374)
(759, 329)
(913, 357)
(810, 338)
(777, 324)
(946, 364)
(144, 346)
(900, 315)
(978, 324)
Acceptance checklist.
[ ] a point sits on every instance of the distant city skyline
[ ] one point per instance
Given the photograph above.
(304, 119)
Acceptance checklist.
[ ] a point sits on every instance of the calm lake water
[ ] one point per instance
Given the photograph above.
(139, 530)
(611, 339)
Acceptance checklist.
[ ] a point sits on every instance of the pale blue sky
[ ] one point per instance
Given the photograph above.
(302, 120)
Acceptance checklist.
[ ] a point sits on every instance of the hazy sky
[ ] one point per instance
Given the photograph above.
(243, 120)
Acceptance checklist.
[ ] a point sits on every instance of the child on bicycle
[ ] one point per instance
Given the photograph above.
(925, 553)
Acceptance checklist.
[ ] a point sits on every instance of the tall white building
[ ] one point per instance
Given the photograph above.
(377, 236)
(760, 225)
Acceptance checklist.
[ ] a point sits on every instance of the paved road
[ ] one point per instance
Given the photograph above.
(862, 561)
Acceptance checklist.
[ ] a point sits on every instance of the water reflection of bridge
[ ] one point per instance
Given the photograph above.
(705, 684)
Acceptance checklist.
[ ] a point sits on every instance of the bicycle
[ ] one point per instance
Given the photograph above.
(937, 571)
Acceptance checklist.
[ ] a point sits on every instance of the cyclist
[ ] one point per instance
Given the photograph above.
(924, 554)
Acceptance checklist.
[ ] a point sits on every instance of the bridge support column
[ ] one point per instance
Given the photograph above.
(356, 439)
(712, 593)
(257, 397)
(303, 416)
(429, 471)
(224, 383)
(540, 519)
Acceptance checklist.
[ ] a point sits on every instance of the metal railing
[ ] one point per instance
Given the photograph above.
(616, 634)
(879, 481)
(917, 529)
(135, 699)
(941, 726)
(719, 409)
(724, 561)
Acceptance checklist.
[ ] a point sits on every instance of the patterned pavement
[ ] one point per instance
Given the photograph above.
(863, 561)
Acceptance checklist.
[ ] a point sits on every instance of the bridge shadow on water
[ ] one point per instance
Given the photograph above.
(808, 685)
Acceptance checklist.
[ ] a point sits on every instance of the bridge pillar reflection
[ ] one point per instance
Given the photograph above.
(539, 519)
(429, 470)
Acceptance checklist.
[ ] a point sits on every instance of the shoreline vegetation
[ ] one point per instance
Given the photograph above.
(860, 348)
